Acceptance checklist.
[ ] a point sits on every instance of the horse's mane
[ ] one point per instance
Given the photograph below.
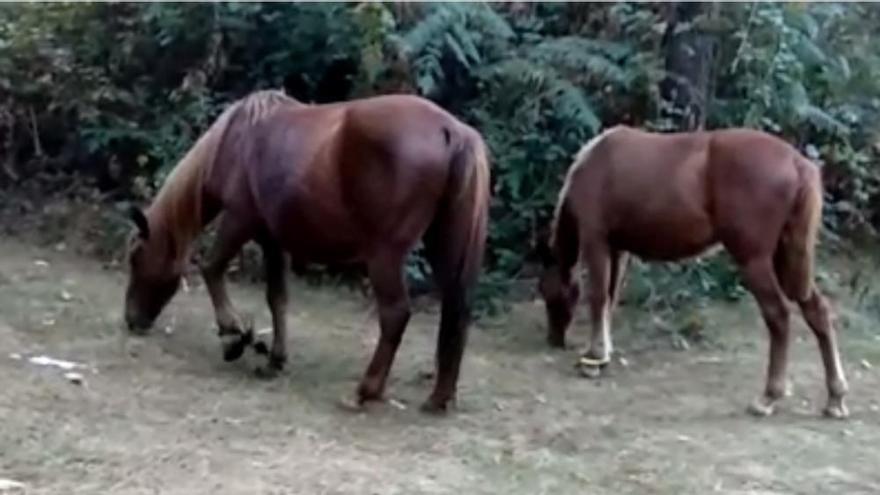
(579, 160)
(176, 212)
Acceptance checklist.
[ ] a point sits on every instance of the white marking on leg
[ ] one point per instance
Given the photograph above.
(607, 345)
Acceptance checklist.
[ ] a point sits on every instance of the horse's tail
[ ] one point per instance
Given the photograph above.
(457, 237)
(797, 244)
(454, 245)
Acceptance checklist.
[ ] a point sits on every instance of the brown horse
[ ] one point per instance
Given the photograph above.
(360, 182)
(672, 196)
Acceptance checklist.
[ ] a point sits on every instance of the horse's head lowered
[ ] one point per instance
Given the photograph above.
(560, 291)
(154, 274)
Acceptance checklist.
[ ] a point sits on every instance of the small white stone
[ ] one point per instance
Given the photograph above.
(41, 263)
(866, 364)
(11, 487)
(65, 296)
(74, 378)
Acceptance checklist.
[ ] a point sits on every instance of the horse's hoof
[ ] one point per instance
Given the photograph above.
(233, 351)
(234, 347)
(266, 372)
(350, 404)
(836, 411)
(761, 407)
(434, 407)
(273, 367)
(359, 403)
(261, 348)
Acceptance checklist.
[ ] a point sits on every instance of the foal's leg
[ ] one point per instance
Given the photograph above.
(816, 313)
(598, 352)
(760, 279)
(386, 276)
(231, 236)
(275, 266)
(619, 262)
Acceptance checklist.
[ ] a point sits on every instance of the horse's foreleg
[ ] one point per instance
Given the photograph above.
(275, 266)
(386, 277)
(598, 353)
(231, 236)
(817, 315)
(760, 279)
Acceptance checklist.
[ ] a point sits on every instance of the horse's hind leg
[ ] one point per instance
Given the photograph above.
(275, 266)
(817, 315)
(455, 315)
(386, 277)
(599, 263)
(231, 236)
(760, 278)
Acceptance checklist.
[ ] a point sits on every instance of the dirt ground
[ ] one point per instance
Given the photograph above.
(164, 414)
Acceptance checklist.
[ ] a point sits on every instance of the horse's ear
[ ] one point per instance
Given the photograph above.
(140, 221)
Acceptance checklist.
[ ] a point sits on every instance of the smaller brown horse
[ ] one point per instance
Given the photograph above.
(672, 196)
(353, 182)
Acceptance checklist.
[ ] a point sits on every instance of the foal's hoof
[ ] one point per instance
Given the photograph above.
(836, 409)
(235, 344)
(556, 342)
(590, 367)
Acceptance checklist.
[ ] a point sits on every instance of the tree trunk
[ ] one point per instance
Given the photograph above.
(690, 53)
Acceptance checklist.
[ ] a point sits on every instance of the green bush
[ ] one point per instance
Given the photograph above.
(115, 93)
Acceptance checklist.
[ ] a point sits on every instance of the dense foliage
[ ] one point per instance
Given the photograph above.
(116, 92)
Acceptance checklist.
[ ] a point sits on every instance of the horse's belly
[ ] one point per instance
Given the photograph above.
(307, 242)
(667, 243)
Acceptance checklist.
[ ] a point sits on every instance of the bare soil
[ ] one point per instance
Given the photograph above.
(164, 413)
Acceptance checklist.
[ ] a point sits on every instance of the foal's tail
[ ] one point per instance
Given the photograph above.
(797, 245)
(457, 237)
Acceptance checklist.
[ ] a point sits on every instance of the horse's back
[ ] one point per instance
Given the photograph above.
(335, 180)
(644, 193)
(669, 196)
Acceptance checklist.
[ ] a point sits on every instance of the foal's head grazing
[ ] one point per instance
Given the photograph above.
(560, 292)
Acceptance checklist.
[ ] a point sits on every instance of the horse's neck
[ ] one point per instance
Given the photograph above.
(176, 213)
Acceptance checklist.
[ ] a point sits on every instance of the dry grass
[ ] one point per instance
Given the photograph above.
(165, 415)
